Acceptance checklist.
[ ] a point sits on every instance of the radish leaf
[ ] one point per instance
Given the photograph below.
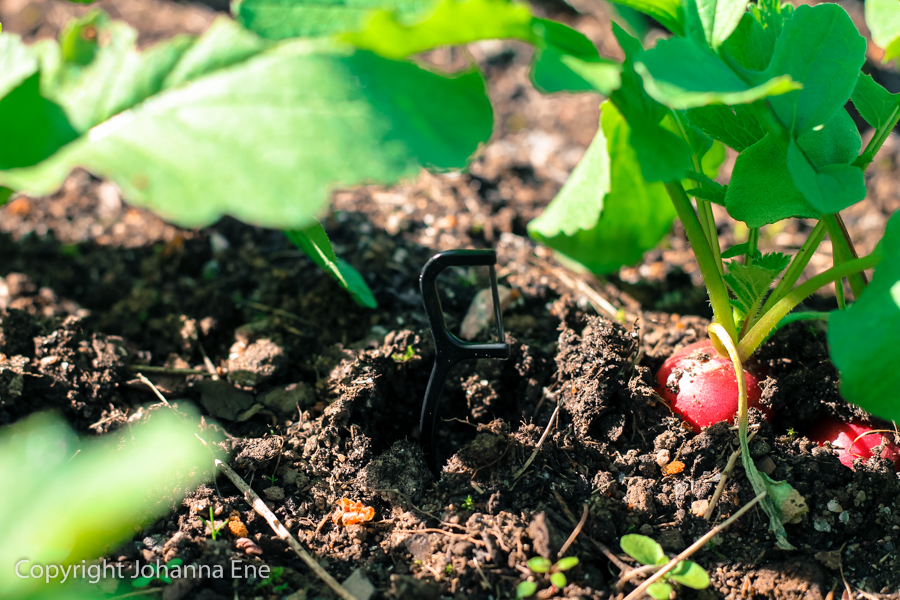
(606, 215)
(820, 48)
(863, 338)
(883, 19)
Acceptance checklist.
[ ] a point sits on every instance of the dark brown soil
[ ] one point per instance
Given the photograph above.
(320, 398)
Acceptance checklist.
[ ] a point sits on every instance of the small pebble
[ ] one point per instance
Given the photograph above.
(834, 507)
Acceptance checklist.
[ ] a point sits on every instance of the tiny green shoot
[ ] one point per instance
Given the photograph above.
(647, 552)
(213, 530)
(553, 572)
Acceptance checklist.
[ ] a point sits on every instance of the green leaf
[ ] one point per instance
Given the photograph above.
(821, 48)
(451, 22)
(662, 154)
(712, 21)
(96, 490)
(764, 189)
(539, 564)
(734, 126)
(660, 591)
(18, 62)
(680, 73)
(750, 283)
(749, 49)
(829, 189)
(606, 215)
(669, 13)
(558, 579)
(282, 19)
(267, 138)
(875, 104)
(564, 564)
(883, 19)
(94, 86)
(526, 589)
(32, 127)
(643, 549)
(314, 242)
(690, 574)
(863, 338)
(565, 59)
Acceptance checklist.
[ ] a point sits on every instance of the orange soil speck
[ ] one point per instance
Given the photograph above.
(350, 513)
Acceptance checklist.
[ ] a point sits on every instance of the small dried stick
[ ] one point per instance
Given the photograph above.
(636, 593)
(729, 467)
(167, 370)
(154, 388)
(539, 444)
(281, 531)
(575, 532)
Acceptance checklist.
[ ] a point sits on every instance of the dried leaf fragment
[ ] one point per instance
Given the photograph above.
(349, 512)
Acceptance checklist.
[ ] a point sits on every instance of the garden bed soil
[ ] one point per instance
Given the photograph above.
(324, 396)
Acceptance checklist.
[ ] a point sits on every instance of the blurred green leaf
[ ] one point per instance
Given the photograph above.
(564, 564)
(883, 19)
(79, 498)
(690, 574)
(669, 13)
(314, 242)
(32, 127)
(660, 591)
(233, 141)
(526, 589)
(875, 104)
(820, 48)
(606, 215)
(18, 62)
(712, 21)
(539, 564)
(565, 59)
(662, 154)
(681, 73)
(643, 549)
(558, 579)
(862, 339)
(282, 19)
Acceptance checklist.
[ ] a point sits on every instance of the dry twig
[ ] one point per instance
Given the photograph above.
(539, 444)
(729, 467)
(281, 531)
(155, 389)
(575, 532)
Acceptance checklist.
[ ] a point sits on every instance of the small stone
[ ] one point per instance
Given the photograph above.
(844, 517)
(261, 361)
(831, 560)
(359, 586)
(766, 465)
(662, 457)
(274, 493)
(699, 507)
(821, 525)
(834, 507)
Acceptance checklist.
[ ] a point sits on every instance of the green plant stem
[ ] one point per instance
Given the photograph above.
(715, 285)
(704, 207)
(758, 333)
(752, 245)
(880, 136)
(843, 249)
(839, 294)
(798, 264)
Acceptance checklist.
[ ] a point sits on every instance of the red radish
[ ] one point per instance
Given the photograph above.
(846, 438)
(701, 388)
